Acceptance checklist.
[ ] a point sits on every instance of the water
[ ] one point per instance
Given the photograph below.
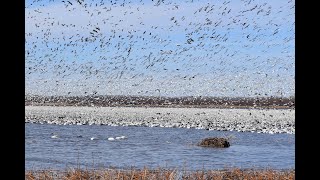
(152, 147)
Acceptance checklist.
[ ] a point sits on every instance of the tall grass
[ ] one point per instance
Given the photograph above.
(159, 174)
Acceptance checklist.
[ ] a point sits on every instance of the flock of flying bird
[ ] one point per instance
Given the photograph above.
(151, 45)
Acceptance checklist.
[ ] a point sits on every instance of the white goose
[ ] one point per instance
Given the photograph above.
(121, 137)
(110, 139)
(54, 136)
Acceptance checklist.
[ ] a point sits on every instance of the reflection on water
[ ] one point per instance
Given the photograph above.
(152, 147)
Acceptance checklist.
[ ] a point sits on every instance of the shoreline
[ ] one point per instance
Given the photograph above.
(223, 119)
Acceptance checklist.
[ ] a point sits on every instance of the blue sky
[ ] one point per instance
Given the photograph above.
(238, 48)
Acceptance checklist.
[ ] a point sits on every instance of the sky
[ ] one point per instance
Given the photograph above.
(168, 48)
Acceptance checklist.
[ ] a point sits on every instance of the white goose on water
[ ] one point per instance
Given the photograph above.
(54, 136)
(121, 137)
(110, 139)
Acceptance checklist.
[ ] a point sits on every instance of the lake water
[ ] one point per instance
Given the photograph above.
(152, 147)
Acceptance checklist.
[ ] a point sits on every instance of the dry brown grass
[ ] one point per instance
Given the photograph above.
(160, 174)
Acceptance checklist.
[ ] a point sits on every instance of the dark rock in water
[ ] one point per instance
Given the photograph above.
(214, 142)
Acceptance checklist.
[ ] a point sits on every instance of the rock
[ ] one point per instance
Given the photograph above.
(214, 142)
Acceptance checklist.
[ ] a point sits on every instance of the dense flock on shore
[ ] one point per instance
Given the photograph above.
(242, 120)
(158, 101)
